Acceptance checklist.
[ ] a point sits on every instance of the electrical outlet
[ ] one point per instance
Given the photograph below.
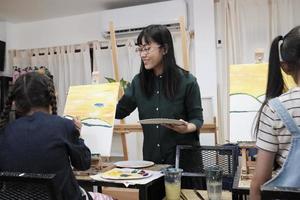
(219, 43)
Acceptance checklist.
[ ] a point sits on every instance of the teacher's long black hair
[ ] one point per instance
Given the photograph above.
(162, 36)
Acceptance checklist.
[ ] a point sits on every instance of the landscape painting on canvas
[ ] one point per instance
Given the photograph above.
(95, 105)
(247, 88)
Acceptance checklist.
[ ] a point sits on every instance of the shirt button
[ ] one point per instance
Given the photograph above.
(158, 145)
(157, 126)
(157, 109)
(160, 76)
(157, 92)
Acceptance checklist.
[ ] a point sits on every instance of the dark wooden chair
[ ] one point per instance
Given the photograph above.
(24, 186)
(283, 193)
(195, 159)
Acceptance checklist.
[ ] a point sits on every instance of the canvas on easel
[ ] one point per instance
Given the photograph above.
(247, 93)
(95, 105)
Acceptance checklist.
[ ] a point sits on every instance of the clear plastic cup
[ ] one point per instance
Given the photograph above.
(214, 182)
(173, 183)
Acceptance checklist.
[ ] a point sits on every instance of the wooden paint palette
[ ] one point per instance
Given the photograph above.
(126, 174)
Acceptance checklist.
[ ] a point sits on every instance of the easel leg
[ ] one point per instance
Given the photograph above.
(124, 145)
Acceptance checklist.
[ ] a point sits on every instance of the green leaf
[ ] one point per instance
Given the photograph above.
(110, 80)
(124, 84)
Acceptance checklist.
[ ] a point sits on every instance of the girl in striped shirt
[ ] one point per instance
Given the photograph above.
(273, 138)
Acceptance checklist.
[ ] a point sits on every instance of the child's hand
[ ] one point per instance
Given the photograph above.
(77, 123)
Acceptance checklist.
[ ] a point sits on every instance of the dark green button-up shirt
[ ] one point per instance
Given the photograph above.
(160, 142)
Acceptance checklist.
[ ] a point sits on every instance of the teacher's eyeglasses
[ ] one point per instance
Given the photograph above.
(146, 49)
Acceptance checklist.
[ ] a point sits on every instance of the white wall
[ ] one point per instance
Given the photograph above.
(142, 15)
(205, 48)
(55, 32)
(201, 18)
(2, 31)
(87, 27)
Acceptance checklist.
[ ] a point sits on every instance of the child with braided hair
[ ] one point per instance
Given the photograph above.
(39, 133)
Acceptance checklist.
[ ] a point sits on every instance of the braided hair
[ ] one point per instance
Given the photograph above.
(31, 90)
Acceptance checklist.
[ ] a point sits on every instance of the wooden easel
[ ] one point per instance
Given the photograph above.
(247, 166)
(117, 78)
(185, 57)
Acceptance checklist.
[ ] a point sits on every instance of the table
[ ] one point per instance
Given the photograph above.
(240, 188)
(190, 195)
(152, 190)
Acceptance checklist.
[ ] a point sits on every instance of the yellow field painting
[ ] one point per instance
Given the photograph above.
(248, 84)
(252, 79)
(93, 102)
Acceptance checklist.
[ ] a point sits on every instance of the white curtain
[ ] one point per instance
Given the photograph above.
(133, 58)
(67, 66)
(245, 26)
(129, 61)
(284, 16)
(39, 58)
(21, 58)
(102, 61)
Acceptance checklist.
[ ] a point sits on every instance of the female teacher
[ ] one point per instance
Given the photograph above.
(162, 90)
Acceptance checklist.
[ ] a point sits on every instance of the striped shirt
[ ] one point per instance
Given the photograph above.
(272, 135)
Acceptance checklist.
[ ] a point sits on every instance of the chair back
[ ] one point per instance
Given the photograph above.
(195, 159)
(25, 186)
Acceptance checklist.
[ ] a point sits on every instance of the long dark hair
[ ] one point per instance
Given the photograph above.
(289, 50)
(162, 36)
(31, 90)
